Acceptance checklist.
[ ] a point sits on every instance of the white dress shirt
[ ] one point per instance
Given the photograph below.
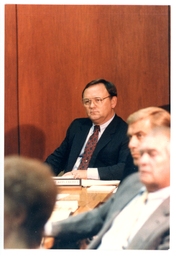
(127, 223)
(92, 173)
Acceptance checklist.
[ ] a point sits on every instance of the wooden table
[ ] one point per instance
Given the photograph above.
(86, 201)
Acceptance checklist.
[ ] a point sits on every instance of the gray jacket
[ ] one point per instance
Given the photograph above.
(153, 235)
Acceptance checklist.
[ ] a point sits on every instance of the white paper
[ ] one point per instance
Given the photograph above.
(101, 189)
(62, 210)
(60, 196)
(88, 183)
(66, 205)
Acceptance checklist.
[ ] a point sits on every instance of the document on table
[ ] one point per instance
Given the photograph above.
(70, 181)
(60, 196)
(88, 183)
(62, 210)
(101, 189)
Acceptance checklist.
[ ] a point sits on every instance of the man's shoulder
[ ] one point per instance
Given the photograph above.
(133, 177)
(119, 121)
(78, 123)
(82, 121)
(85, 120)
(131, 180)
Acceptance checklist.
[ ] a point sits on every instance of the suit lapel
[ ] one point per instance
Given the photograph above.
(106, 136)
(78, 141)
(81, 135)
(131, 184)
(121, 199)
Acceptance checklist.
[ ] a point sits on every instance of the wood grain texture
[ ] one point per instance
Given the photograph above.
(63, 47)
(11, 121)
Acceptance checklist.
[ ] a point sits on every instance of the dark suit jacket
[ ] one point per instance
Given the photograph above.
(109, 155)
(153, 235)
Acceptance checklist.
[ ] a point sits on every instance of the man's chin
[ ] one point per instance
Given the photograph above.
(94, 117)
(144, 176)
(136, 161)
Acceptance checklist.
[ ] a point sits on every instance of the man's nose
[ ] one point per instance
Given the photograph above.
(143, 159)
(133, 142)
(92, 103)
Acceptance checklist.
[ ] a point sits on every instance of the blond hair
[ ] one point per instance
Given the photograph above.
(158, 116)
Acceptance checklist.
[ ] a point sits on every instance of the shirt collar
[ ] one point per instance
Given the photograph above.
(159, 194)
(103, 126)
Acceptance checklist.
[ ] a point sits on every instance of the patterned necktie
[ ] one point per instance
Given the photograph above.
(90, 146)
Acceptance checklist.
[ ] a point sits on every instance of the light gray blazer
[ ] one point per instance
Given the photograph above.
(153, 235)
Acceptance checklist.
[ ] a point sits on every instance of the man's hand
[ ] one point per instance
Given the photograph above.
(68, 175)
(79, 174)
(76, 174)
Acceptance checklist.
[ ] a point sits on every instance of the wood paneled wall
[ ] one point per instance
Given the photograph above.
(11, 83)
(53, 51)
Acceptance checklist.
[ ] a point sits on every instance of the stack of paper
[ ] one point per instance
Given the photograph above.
(70, 181)
(101, 189)
(66, 205)
(63, 209)
(73, 196)
(88, 183)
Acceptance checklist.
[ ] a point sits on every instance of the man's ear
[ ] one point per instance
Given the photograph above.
(114, 101)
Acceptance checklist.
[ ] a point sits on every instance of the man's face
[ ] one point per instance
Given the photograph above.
(154, 162)
(100, 112)
(136, 133)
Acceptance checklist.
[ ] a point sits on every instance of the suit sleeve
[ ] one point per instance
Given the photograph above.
(83, 225)
(89, 224)
(119, 171)
(129, 168)
(114, 154)
(58, 159)
(122, 168)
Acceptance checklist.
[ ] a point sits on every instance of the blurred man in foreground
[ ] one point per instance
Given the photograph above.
(146, 224)
(29, 198)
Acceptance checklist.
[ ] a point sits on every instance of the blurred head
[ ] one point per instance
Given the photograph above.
(140, 124)
(99, 98)
(29, 198)
(154, 161)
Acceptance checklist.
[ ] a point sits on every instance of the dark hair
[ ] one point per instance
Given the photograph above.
(110, 87)
(29, 188)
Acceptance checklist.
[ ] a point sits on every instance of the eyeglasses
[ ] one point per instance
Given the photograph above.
(96, 100)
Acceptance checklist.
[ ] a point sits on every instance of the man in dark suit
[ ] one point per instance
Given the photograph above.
(147, 228)
(107, 162)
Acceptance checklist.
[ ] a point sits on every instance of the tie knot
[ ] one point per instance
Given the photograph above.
(144, 196)
(96, 128)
